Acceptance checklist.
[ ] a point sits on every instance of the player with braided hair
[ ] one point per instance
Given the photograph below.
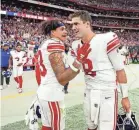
(54, 75)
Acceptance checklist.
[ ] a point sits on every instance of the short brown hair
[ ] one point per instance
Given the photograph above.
(84, 16)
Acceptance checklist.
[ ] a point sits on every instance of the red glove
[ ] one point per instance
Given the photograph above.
(82, 52)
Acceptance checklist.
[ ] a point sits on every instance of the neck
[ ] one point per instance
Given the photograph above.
(54, 38)
(87, 38)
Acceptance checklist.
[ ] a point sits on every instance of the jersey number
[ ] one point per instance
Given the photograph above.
(88, 66)
(17, 58)
(43, 70)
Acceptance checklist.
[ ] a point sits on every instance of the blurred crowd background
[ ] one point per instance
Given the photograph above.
(20, 19)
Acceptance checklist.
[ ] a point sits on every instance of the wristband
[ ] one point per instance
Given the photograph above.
(124, 89)
(73, 68)
(77, 62)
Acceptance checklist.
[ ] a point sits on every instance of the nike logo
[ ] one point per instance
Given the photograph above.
(107, 97)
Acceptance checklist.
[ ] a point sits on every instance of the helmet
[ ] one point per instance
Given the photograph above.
(126, 123)
(3, 73)
(7, 73)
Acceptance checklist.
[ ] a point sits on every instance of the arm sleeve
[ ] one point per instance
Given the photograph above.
(113, 42)
(116, 60)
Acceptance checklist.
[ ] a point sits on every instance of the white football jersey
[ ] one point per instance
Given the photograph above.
(50, 89)
(31, 47)
(98, 67)
(18, 57)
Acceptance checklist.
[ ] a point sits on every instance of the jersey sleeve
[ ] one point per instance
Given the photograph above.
(116, 60)
(113, 42)
(52, 47)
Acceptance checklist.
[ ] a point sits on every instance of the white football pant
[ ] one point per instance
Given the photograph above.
(100, 108)
(17, 71)
(53, 114)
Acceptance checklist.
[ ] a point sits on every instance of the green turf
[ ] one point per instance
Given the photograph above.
(135, 62)
(74, 115)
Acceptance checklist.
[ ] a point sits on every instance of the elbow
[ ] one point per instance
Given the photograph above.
(61, 82)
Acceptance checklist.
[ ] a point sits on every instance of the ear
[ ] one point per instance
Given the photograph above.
(52, 32)
(88, 24)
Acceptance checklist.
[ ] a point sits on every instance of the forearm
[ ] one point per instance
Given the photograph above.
(69, 74)
(63, 75)
(122, 80)
(121, 76)
(66, 76)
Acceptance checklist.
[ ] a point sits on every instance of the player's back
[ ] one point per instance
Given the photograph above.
(49, 88)
(98, 68)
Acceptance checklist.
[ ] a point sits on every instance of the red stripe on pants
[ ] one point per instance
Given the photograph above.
(115, 109)
(55, 115)
(59, 114)
(46, 128)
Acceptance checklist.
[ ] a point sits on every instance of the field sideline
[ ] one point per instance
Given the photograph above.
(74, 115)
(18, 103)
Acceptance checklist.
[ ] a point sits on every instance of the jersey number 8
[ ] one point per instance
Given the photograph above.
(88, 66)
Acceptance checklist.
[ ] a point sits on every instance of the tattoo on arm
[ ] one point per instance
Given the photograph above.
(57, 63)
(63, 75)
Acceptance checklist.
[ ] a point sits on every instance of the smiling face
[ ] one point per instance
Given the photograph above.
(60, 33)
(79, 27)
(81, 23)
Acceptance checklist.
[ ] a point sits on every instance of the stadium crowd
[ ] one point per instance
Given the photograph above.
(21, 29)
(17, 7)
(97, 6)
(16, 29)
(126, 4)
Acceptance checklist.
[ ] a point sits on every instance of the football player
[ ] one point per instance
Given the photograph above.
(30, 51)
(18, 58)
(55, 75)
(101, 67)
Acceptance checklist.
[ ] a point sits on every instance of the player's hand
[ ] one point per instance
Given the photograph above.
(20, 64)
(82, 52)
(126, 104)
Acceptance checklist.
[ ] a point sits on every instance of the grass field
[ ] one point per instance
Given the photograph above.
(74, 115)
